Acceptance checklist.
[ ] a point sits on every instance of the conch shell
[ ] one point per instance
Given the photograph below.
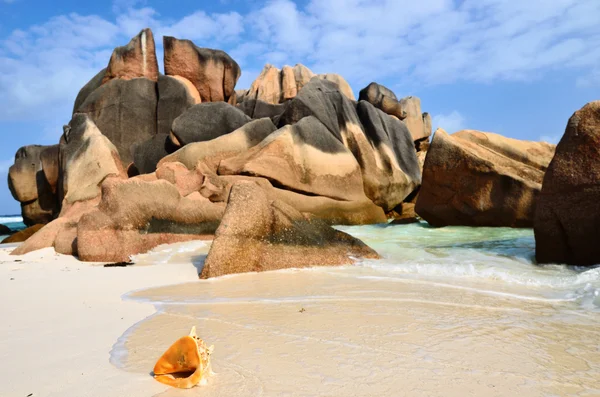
(185, 364)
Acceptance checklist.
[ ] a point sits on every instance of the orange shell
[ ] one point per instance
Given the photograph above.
(185, 363)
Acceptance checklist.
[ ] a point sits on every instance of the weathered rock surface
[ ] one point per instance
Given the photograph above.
(274, 86)
(61, 233)
(87, 159)
(175, 95)
(383, 144)
(304, 158)
(331, 211)
(258, 234)
(213, 151)
(473, 178)
(213, 72)
(341, 83)
(147, 155)
(125, 112)
(28, 185)
(382, 98)
(135, 216)
(567, 219)
(258, 109)
(22, 235)
(136, 59)
(414, 118)
(206, 121)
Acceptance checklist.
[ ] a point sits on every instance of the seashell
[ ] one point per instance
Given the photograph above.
(186, 363)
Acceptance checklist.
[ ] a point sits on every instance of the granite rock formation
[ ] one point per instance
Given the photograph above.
(567, 218)
(474, 178)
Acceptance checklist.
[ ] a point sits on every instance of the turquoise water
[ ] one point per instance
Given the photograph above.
(499, 259)
(14, 222)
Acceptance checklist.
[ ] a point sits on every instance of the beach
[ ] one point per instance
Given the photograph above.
(482, 320)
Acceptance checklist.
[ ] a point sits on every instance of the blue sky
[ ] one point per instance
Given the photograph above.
(518, 68)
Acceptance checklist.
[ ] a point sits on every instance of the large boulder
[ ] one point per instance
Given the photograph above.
(258, 234)
(474, 178)
(213, 151)
(257, 109)
(28, 185)
(382, 98)
(340, 82)
(136, 59)
(414, 118)
(329, 210)
(147, 154)
(396, 172)
(206, 121)
(22, 235)
(379, 147)
(87, 158)
(567, 215)
(175, 95)
(274, 86)
(213, 72)
(125, 112)
(135, 216)
(305, 158)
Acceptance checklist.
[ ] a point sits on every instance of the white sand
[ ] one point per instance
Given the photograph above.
(358, 335)
(60, 319)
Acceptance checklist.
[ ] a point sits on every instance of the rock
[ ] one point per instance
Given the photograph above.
(395, 172)
(22, 235)
(274, 86)
(568, 210)
(213, 72)
(258, 234)
(376, 148)
(50, 159)
(4, 230)
(404, 214)
(61, 233)
(135, 216)
(427, 126)
(341, 83)
(213, 151)
(414, 118)
(206, 121)
(331, 211)
(28, 185)
(136, 59)
(87, 89)
(382, 98)
(125, 112)
(87, 159)
(257, 109)
(474, 178)
(305, 158)
(175, 95)
(147, 155)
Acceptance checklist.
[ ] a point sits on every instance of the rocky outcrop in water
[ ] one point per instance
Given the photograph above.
(258, 234)
(567, 216)
(474, 178)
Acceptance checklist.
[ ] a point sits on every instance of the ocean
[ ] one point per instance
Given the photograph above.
(14, 222)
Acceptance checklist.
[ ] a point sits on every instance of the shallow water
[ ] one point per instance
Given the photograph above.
(449, 311)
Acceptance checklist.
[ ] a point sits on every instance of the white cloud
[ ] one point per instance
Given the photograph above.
(407, 43)
(451, 122)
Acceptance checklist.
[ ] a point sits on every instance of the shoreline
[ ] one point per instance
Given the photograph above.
(359, 333)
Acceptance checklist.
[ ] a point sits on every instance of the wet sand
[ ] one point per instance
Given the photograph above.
(370, 337)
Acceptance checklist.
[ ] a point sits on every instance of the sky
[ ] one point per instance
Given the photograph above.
(514, 67)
